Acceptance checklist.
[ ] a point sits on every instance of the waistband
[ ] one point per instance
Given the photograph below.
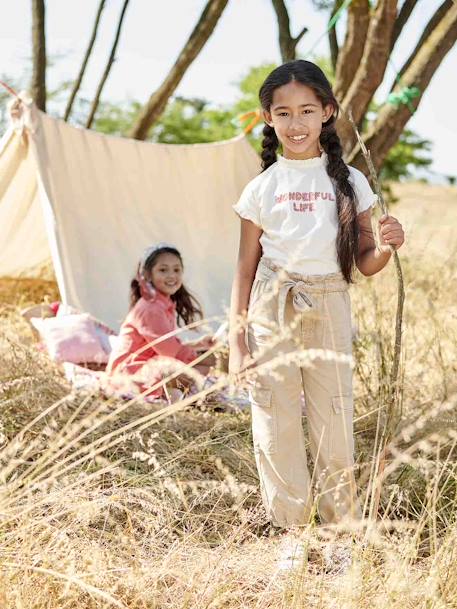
(331, 282)
(300, 286)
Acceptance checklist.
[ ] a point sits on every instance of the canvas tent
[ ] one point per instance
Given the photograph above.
(91, 203)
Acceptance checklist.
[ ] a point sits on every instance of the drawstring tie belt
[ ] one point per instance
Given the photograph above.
(300, 286)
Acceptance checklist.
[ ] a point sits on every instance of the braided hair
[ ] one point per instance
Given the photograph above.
(188, 309)
(309, 74)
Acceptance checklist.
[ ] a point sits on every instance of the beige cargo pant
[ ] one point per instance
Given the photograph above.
(299, 331)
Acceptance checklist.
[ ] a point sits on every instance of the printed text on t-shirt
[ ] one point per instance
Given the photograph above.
(304, 196)
(304, 201)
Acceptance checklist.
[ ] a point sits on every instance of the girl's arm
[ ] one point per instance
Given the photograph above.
(249, 254)
(152, 323)
(370, 259)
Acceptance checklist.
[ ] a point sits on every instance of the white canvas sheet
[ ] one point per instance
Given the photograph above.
(104, 199)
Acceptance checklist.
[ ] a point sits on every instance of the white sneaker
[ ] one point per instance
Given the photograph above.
(337, 558)
(291, 553)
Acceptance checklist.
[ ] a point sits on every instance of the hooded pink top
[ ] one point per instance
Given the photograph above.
(148, 320)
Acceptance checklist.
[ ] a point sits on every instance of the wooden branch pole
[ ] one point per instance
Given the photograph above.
(287, 42)
(38, 84)
(195, 43)
(106, 72)
(87, 55)
(392, 393)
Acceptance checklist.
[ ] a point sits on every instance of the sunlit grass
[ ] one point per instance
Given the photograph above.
(108, 503)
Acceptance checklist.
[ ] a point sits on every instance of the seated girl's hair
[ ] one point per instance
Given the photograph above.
(188, 308)
(311, 75)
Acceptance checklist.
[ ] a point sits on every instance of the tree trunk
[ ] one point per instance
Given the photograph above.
(391, 120)
(198, 38)
(431, 25)
(105, 74)
(371, 71)
(82, 70)
(351, 53)
(333, 38)
(38, 86)
(287, 43)
(403, 16)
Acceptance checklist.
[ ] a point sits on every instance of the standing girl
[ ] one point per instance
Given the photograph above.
(158, 299)
(305, 225)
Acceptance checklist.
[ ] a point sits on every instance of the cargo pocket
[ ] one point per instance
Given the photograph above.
(341, 435)
(263, 417)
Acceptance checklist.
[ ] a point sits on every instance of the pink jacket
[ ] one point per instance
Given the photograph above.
(148, 320)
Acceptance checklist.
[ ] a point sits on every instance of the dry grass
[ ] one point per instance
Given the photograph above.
(113, 504)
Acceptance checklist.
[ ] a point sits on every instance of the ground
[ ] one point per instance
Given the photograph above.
(106, 503)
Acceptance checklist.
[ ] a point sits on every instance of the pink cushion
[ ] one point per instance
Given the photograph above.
(71, 338)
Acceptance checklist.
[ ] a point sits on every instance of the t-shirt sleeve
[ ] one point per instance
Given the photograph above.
(364, 193)
(248, 205)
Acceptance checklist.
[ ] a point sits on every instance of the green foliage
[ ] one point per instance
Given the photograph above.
(114, 119)
(325, 65)
(188, 121)
(408, 153)
(249, 87)
(191, 121)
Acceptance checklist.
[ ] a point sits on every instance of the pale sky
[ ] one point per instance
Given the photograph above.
(246, 35)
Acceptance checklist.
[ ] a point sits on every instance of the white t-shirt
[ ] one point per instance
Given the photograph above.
(294, 203)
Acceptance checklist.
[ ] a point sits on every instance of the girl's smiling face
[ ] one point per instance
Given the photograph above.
(166, 274)
(297, 114)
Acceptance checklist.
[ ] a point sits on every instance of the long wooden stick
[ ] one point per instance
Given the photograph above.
(391, 421)
(38, 84)
(106, 72)
(87, 55)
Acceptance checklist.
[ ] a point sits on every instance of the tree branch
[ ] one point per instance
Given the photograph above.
(431, 25)
(350, 55)
(392, 119)
(105, 74)
(300, 35)
(198, 38)
(333, 38)
(38, 85)
(287, 43)
(402, 17)
(371, 70)
(87, 55)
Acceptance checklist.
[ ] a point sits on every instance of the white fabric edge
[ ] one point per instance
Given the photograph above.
(245, 215)
(6, 138)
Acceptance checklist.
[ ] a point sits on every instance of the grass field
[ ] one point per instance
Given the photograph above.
(115, 504)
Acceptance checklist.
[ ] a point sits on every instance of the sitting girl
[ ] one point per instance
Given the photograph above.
(158, 299)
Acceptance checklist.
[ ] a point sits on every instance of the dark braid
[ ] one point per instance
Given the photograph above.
(270, 144)
(348, 232)
(309, 74)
